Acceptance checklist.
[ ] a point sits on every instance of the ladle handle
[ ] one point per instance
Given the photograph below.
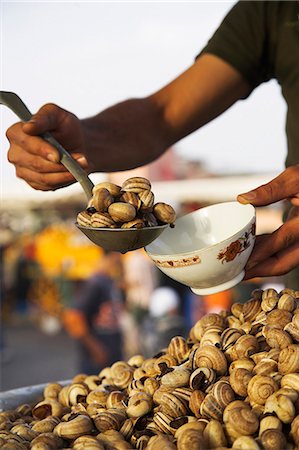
(13, 101)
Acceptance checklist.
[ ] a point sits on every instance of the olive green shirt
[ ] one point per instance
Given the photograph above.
(261, 40)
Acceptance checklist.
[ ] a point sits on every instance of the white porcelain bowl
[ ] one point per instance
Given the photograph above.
(207, 249)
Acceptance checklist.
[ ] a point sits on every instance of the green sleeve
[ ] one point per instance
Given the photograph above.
(243, 40)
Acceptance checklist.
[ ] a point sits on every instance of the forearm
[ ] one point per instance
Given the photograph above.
(137, 131)
(124, 136)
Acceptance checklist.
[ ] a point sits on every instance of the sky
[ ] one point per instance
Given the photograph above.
(86, 56)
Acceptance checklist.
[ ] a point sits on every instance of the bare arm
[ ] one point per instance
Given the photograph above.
(129, 134)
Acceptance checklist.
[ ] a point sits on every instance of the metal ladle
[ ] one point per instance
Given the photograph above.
(113, 239)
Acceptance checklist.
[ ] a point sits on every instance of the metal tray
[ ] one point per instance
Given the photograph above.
(28, 394)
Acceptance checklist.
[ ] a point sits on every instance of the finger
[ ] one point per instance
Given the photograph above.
(31, 144)
(270, 244)
(284, 186)
(48, 118)
(276, 265)
(34, 162)
(45, 181)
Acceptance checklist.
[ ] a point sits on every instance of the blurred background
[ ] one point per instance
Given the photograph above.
(86, 56)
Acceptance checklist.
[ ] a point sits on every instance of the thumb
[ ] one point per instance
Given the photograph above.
(48, 118)
(282, 187)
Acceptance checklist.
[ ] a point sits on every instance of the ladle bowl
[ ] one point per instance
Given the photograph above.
(111, 239)
(122, 240)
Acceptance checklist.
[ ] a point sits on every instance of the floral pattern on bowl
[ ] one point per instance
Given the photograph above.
(237, 247)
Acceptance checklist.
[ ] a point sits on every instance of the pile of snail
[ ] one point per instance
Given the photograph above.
(128, 206)
(233, 383)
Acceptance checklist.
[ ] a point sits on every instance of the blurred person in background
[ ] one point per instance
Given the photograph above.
(140, 280)
(94, 318)
(256, 42)
(164, 321)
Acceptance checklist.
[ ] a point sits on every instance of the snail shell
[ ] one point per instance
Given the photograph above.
(116, 399)
(132, 199)
(183, 392)
(109, 419)
(87, 442)
(210, 357)
(214, 435)
(246, 443)
(210, 408)
(151, 385)
(24, 431)
(278, 318)
(173, 405)
(240, 421)
(202, 378)
(46, 425)
(276, 337)
(122, 212)
(195, 402)
(102, 220)
(291, 393)
(78, 426)
(260, 387)
(139, 404)
(246, 345)
(198, 425)
(223, 392)
(295, 319)
(179, 348)
(45, 441)
(269, 300)
(158, 442)
(237, 310)
(77, 393)
(102, 199)
(293, 331)
(136, 185)
(136, 360)
(112, 188)
(164, 213)
(92, 382)
(273, 440)
(136, 223)
(288, 361)
(162, 422)
(270, 422)
(127, 428)
(291, 380)
(159, 392)
(147, 200)
(295, 430)
(242, 363)
(211, 338)
(84, 219)
(239, 379)
(94, 408)
(287, 302)
(177, 378)
(149, 219)
(282, 406)
(189, 439)
(52, 390)
(266, 366)
(49, 407)
(168, 359)
(251, 309)
(229, 337)
(233, 322)
(122, 374)
(179, 421)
